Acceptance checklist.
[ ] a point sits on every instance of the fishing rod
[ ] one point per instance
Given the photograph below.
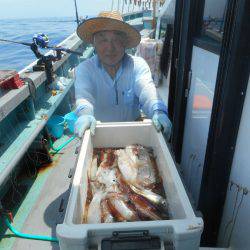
(77, 18)
(44, 62)
(44, 47)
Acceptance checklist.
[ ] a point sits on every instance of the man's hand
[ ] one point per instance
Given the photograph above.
(161, 122)
(84, 122)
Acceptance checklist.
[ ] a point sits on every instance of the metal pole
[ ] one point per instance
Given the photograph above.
(112, 5)
(122, 6)
(154, 10)
(118, 5)
(157, 8)
(77, 18)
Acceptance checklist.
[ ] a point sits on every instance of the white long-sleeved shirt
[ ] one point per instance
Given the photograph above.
(118, 99)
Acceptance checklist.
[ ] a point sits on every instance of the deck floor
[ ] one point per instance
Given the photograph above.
(45, 214)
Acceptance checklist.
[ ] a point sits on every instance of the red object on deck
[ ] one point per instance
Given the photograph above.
(9, 79)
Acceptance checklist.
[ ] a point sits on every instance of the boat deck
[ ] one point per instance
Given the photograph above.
(45, 203)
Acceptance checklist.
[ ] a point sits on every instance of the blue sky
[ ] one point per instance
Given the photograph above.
(50, 8)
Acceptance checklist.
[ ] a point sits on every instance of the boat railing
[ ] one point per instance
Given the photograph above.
(24, 113)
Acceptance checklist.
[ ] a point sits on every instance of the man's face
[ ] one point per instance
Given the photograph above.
(109, 46)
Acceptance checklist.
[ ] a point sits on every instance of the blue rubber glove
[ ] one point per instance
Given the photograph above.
(161, 122)
(84, 122)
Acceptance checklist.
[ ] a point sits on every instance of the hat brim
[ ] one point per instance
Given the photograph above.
(93, 25)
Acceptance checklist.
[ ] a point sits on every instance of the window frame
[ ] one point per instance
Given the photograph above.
(199, 40)
(227, 96)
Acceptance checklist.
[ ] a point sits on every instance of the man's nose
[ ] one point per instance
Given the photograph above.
(111, 45)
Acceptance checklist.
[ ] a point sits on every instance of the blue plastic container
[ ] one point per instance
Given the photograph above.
(56, 125)
(70, 119)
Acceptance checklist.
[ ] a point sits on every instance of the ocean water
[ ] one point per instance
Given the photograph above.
(15, 56)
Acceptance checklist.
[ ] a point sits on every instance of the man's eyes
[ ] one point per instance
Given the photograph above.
(103, 40)
(115, 40)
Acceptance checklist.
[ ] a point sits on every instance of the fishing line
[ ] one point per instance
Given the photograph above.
(17, 123)
(30, 175)
(232, 217)
(8, 135)
(192, 158)
(14, 187)
(38, 160)
(14, 128)
(11, 201)
(196, 174)
(25, 112)
(236, 215)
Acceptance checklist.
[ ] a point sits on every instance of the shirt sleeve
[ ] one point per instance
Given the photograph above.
(84, 90)
(145, 90)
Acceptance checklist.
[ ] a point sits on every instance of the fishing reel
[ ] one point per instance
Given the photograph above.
(44, 62)
(41, 40)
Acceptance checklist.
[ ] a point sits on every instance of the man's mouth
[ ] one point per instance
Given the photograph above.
(110, 55)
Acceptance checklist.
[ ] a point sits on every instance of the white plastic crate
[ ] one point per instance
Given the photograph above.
(183, 230)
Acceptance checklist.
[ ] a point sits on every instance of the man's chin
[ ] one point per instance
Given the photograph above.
(111, 63)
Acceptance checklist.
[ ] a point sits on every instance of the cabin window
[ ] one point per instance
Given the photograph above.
(212, 25)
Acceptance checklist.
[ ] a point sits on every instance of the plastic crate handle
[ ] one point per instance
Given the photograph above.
(130, 240)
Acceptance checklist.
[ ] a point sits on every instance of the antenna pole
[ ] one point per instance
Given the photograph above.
(77, 18)
(118, 6)
(154, 14)
(122, 6)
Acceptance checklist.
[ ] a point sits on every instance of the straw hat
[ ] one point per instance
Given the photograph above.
(108, 21)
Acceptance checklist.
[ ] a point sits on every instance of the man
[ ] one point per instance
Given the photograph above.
(113, 86)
